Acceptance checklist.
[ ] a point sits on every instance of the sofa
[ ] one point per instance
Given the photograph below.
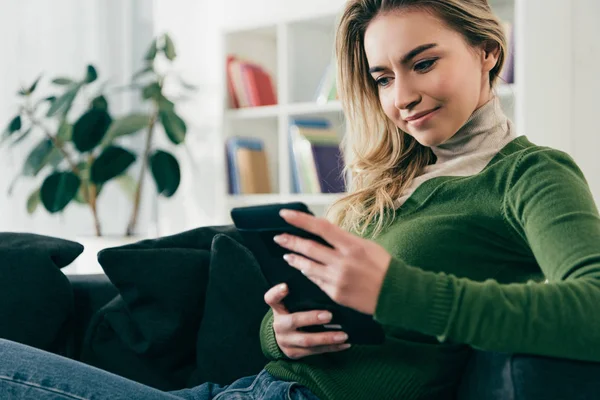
(121, 321)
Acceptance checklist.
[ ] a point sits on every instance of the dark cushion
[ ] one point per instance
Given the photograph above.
(36, 299)
(148, 332)
(228, 344)
(499, 376)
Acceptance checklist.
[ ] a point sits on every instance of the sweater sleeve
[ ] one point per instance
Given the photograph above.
(549, 207)
(268, 343)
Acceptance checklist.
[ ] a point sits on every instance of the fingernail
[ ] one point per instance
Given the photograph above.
(286, 213)
(345, 346)
(280, 239)
(288, 257)
(324, 316)
(282, 287)
(342, 337)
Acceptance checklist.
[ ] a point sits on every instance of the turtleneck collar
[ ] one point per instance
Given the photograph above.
(467, 153)
(486, 128)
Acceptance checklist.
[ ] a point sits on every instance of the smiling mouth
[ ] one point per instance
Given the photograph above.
(417, 117)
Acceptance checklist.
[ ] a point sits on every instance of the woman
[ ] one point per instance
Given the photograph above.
(444, 196)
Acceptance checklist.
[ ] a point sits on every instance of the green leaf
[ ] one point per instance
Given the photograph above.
(151, 52)
(22, 92)
(100, 103)
(21, 137)
(65, 132)
(89, 130)
(15, 124)
(38, 158)
(128, 185)
(33, 201)
(62, 81)
(169, 48)
(126, 126)
(113, 162)
(34, 85)
(166, 173)
(165, 104)
(91, 74)
(175, 127)
(151, 90)
(142, 72)
(64, 102)
(55, 158)
(58, 190)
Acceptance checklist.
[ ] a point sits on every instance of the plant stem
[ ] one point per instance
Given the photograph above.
(138, 191)
(90, 194)
(56, 143)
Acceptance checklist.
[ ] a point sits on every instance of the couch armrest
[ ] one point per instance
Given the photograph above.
(90, 292)
(498, 376)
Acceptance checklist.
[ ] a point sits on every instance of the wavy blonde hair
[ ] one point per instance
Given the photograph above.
(380, 159)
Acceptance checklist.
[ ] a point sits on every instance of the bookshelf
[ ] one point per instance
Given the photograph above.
(296, 53)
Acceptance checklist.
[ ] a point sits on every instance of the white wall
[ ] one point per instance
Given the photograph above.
(585, 127)
(61, 37)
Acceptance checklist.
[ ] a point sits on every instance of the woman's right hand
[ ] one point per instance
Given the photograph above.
(296, 344)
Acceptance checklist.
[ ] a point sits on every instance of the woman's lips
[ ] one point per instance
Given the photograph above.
(422, 118)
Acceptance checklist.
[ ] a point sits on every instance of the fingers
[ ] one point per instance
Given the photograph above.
(314, 271)
(297, 353)
(332, 234)
(310, 248)
(292, 322)
(274, 298)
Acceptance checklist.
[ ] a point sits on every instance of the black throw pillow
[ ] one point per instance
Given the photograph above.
(36, 299)
(228, 344)
(148, 332)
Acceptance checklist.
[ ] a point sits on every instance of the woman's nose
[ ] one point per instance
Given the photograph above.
(405, 97)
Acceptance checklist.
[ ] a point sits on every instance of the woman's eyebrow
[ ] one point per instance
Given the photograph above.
(407, 57)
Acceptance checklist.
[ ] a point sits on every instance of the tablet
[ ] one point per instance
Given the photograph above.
(257, 226)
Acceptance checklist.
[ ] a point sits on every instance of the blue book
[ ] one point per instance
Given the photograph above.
(312, 123)
(233, 144)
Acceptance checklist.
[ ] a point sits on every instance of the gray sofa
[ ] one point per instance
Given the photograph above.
(488, 376)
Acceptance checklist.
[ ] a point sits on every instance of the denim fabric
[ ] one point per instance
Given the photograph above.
(29, 373)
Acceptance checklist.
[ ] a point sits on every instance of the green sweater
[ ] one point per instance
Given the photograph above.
(504, 260)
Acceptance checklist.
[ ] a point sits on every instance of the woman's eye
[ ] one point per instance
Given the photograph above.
(383, 82)
(424, 65)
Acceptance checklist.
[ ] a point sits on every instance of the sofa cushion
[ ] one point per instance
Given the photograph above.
(228, 343)
(148, 332)
(500, 376)
(36, 299)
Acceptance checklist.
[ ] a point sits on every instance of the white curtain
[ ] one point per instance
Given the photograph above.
(61, 37)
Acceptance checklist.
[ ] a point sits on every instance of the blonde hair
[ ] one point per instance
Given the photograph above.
(381, 159)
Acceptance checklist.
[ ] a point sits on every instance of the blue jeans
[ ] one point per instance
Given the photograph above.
(29, 373)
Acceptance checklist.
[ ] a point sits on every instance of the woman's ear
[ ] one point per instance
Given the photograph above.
(490, 55)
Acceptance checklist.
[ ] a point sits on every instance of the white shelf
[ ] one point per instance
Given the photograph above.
(253, 112)
(295, 109)
(323, 199)
(313, 108)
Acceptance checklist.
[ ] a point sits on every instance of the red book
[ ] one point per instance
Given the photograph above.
(233, 100)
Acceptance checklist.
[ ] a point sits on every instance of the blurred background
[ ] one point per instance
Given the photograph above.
(216, 104)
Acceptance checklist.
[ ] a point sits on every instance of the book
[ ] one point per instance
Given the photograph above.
(327, 89)
(317, 164)
(247, 164)
(249, 84)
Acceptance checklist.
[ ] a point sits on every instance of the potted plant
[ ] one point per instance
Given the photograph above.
(78, 152)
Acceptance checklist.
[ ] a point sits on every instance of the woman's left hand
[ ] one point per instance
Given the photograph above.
(351, 272)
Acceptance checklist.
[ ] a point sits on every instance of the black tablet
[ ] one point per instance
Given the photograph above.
(257, 226)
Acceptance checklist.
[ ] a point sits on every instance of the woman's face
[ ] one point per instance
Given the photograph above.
(429, 79)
